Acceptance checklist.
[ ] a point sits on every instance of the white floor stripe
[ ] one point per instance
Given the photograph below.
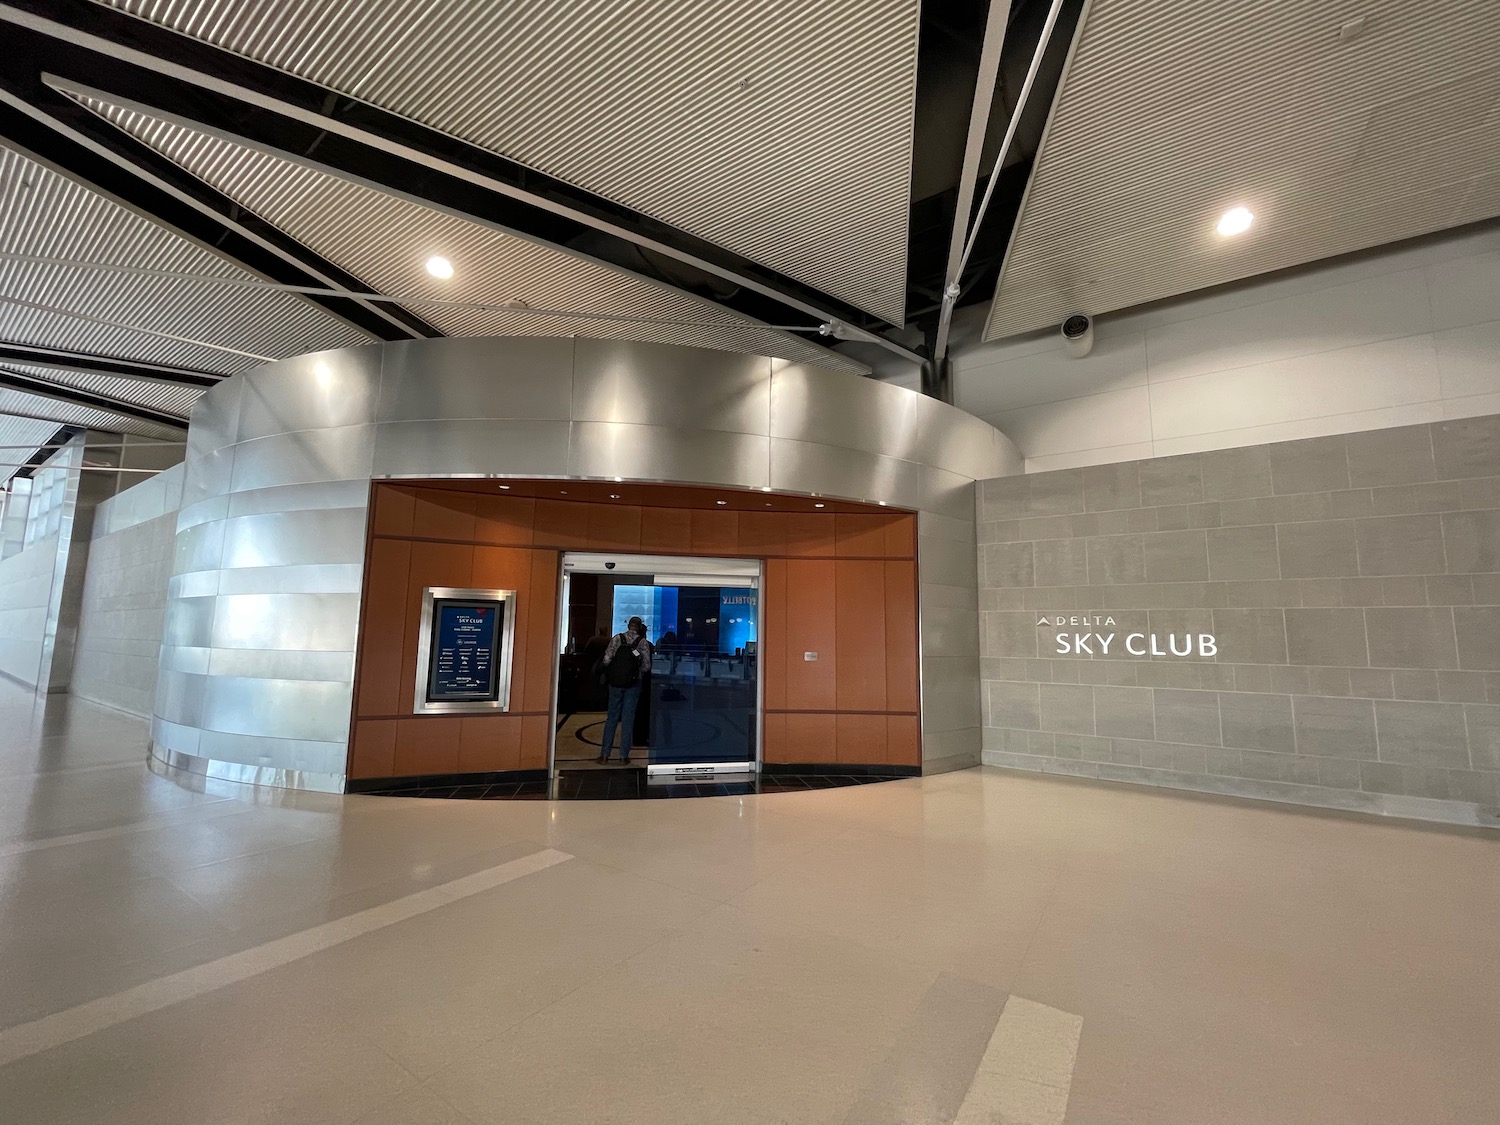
(96, 1015)
(201, 811)
(1027, 1069)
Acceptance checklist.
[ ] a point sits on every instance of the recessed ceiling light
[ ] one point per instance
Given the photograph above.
(505, 488)
(721, 503)
(440, 267)
(881, 503)
(818, 505)
(766, 488)
(562, 492)
(614, 495)
(1237, 220)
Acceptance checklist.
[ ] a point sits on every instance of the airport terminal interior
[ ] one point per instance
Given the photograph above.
(860, 562)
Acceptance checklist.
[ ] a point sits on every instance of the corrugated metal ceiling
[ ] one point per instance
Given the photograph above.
(781, 131)
(19, 439)
(46, 215)
(391, 238)
(170, 398)
(1170, 114)
(50, 414)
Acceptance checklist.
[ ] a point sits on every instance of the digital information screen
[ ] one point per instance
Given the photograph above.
(464, 650)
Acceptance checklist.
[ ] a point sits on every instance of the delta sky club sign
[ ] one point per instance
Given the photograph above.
(1104, 638)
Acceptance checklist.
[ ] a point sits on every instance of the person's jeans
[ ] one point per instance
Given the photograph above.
(622, 705)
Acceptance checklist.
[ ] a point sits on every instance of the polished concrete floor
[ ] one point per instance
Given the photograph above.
(975, 947)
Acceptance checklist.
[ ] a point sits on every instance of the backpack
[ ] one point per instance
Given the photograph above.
(624, 668)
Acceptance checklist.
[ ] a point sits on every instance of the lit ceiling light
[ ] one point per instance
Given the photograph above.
(1237, 220)
(440, 267)
(818, 505)
(614, 495)
(505, 488)
(766, 488)
(721, 503)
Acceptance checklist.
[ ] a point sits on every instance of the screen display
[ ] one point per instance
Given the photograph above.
(463, 661)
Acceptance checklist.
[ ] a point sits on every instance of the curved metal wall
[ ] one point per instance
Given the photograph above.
(257, 661)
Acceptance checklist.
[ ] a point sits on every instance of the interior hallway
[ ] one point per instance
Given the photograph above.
(930, 950)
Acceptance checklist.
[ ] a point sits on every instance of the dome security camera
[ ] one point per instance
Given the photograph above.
(609, 566)
(1078, 335)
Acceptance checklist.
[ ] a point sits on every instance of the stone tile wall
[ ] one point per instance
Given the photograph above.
(1352, 588)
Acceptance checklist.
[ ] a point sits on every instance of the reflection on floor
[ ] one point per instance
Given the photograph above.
(579, 738)
(604, 783)
(972, 946)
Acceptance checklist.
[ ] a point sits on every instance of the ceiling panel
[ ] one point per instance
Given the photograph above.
(781, 131)
(153, 394)
(1168, 115)
(46, 215)
(53, 413)
(393, 237)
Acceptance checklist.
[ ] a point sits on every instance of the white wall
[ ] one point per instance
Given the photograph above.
(25, 597)
(1394, 339)
(125, 595)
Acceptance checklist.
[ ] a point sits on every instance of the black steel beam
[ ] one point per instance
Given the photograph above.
(92, 364)
(28, 384)
(531, 203)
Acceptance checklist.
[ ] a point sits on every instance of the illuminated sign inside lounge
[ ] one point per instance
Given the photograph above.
(1098, 635)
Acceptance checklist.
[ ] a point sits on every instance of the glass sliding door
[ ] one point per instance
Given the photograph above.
(700, 698)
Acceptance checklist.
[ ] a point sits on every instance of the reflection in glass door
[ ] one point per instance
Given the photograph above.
(700, 698)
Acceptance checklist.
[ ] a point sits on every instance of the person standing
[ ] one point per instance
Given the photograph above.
(626, 661)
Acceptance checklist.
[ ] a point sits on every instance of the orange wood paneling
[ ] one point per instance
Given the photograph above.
(773, 639)
(811, 738)
(432, 564)
(560, 523)
(861, 739)
(903, 745)
(489, 742)
(383, 635)
(859, 613)
(534, 730)
(427, 744)
(540, 641)
(509, 568)
(809, 534)
(666, 529)
(901, 538)
(374, 750)
(762, 533)
(811, 685)
(503, 520)
(860, 535)
(773, 746)
(714, 531)
(444, 515)
(393, 510)
(614, 527)
(900, 636)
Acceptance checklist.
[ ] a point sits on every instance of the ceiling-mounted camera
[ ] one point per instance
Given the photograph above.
(1078, 335)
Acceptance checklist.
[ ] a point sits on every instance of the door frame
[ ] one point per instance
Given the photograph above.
(729, 566)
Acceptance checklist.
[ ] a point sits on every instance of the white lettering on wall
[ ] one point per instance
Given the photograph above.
(1138, 644)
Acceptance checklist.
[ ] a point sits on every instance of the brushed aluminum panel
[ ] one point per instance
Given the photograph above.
(198, 548)
(180, 695)
(471, 448)
(813, 404)
(469, 379)
(317, 578)
(953, 439)
(947, 494)
(946, 562)
(213, 509)
(656, 385)
(300, 757)
(320, 391)
(307, 457)
(207, 476)
(215, 421)
(300, 497)
(281, 664)
(311, 710)
(185, 658)
(849, 474)
(174, 737)
(302, 538)
(194, 584)
(657, 453)
(291, 620)
(189, 621)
